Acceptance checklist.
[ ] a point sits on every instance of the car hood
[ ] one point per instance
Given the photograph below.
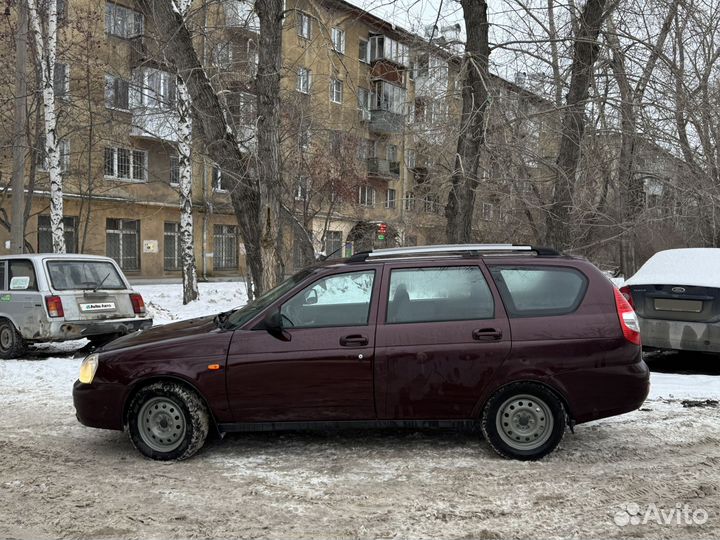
(164, 333)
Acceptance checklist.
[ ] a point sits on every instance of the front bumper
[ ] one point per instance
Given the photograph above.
(680, 335)
(65, 330)
(99, 405)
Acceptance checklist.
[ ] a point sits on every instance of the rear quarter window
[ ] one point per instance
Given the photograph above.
(539, 291)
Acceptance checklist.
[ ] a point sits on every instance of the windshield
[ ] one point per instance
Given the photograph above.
(244, 314)
(84, 275)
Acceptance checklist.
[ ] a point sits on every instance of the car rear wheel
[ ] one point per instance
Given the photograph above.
(167, 421)
(524, 421)
(12, 345)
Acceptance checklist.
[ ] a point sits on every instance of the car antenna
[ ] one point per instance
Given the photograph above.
(326, 257)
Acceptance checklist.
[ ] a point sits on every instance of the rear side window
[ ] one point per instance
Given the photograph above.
(22, 276)
(2, 276)
(438, 294)
(539, 291)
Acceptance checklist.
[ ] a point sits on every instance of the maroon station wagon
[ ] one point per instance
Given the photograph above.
(517, 340)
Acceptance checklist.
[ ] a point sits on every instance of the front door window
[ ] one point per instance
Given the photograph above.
(339, 300)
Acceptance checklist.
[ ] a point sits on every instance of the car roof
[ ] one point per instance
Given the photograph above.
(45, 256)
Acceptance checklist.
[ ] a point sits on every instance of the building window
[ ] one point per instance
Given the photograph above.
(154, 89)
(364, 103)
(45, 234)
(389, 97)
(390, 198)
(174, 171)
(304, 139)
(304, 29)
(333, 244)
(338, 40)
(123, 22)
(366, 196)
(117, 93)
(302, 190)
(487, 211)
(336, 142)
(336, 91)
(220, 180)
(61, 81)
(222, 56)
(225, 247)
(409, 201)
(304, 80)
(126, 164)
(364, 51)
(410, 159)
(392, 152)
(171, 247)
(42, 158)
(239, 13)
(122, 237)
(242, 107)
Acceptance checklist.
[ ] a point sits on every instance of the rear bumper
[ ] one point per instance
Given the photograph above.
(680, 335)
(607, 391)
(65, 330)
(99, 405)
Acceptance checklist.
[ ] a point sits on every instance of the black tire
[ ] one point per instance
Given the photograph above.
(524, 421)
(12, 345)
(174, 420)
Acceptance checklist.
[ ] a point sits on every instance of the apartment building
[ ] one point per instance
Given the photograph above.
(349, 93)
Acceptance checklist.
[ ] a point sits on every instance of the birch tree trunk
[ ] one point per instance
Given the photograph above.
(46, 46)
(189, 268)
(461, 200)
(184, 109)
(585, 52)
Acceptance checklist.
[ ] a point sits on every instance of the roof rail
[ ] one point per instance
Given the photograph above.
(472, 250)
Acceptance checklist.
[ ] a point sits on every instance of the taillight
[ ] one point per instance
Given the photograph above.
(628, 319)
(138, 304)
(625, 291)
(54, 306)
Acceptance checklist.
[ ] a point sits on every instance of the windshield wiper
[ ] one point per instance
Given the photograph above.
(101, 282)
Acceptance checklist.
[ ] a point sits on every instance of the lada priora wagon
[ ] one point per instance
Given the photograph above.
(519, 341)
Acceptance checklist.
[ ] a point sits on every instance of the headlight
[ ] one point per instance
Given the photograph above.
(88, 368)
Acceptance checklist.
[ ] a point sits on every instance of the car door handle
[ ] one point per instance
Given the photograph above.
(487, 334)
(355, 340)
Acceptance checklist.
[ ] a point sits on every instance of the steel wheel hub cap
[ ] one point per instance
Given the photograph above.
(524, 422)
(6, 338)
(161, 424)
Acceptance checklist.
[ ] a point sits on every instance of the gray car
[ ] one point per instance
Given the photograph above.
(47, 297)
(676, 295)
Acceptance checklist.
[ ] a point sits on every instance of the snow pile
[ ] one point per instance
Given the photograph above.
(164, 302)
(673, 386)
(690, 266)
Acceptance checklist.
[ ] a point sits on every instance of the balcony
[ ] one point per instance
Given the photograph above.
(386, 122)
(385, 48)
(383, 168)
(155, 124)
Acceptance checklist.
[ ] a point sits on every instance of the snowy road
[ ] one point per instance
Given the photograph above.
(60, 479)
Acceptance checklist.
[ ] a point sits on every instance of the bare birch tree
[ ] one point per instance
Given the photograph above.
(187, 247)
(46, 48)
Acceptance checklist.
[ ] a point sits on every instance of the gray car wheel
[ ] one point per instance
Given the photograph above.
(12, 345)
(167, 421)
(524, 421)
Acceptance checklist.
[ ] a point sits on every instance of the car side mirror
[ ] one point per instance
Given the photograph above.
(273, 323)
(311, 298)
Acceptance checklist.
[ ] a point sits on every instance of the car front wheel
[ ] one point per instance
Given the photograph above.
(524, 421)
(12, 345)
(167, 421)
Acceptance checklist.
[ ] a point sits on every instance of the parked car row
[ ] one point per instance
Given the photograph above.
(516, 340)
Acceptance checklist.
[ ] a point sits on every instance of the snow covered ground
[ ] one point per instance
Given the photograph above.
(60, 479)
